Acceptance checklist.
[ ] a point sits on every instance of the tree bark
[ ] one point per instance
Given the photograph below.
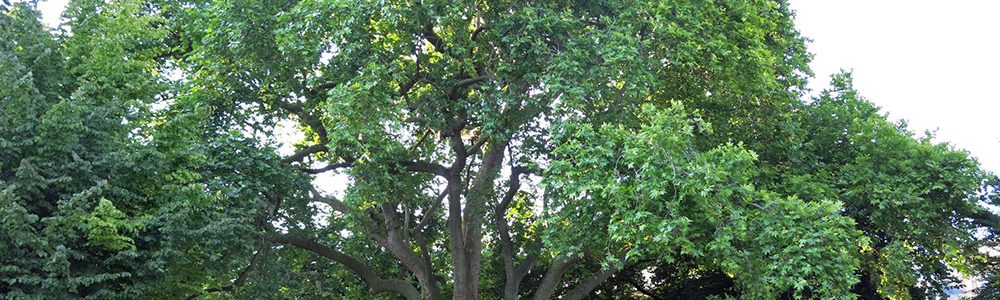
(401, 250)
(457, 242)
(474, 215)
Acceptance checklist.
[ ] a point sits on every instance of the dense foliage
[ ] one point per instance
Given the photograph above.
(461, 149)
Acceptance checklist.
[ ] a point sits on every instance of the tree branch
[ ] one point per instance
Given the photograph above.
(433, 38)
(478, 31)
(552, 277)
(515, 273)
(429, 212)
(481, 189)
(327, 168)
(453, 93)
(332, 201)
(306, 118)
(375, 283)
(587, 285)
(401, 250)
(391, 241)
(478, 145)
(314, 91)
(426, 167)
(470, 81)
(641, 288)
(298, 156)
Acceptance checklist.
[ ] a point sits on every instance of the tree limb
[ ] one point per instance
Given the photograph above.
(298, 156)
(478, 31)
(641, 288)
(552, 277)
(401, 250)
(453, 94)
(426, 167)
(314, 91)
(429, 212)
(306, 117)
(332, 201)
(375, 283)
(470, 81)
(589, 284)
(433, 38)
(327, 168)
(515, 273)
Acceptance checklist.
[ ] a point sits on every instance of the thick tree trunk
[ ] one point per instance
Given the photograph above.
(459, 256)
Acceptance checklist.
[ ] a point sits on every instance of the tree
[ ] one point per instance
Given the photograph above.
(65, 152)
(494, 149)
(918, 201)
(919, 204)
(447, 116)
(102, 197)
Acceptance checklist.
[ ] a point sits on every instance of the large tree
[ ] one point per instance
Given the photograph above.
(465, 150)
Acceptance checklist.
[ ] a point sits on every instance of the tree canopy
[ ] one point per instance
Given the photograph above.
(462, 149)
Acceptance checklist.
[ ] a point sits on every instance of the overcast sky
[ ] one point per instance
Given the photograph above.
(933, 64)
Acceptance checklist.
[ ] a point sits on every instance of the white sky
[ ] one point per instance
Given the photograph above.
(933, 63)
(51, 10)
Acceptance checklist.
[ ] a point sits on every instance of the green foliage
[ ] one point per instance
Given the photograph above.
(807, 249)
(101, 198)
(659, 198)
(104, 225)
(917, 201)
(494, 149)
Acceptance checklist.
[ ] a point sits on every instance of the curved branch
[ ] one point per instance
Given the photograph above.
(470, 81)
(314, 91)
(298, 156)
(515, 273)
(306, 117)
(376, 283)
(327, 168)
(584, 288)
(332, 201)
(429, 212)
(453, 94)
(478, 31)
(552, 278)
(589, 284)
(433, 38)
(426, 167)
(642, 288)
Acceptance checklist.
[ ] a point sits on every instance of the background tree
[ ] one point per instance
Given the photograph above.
(70, 222)
(103, 196)
(921, 204)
